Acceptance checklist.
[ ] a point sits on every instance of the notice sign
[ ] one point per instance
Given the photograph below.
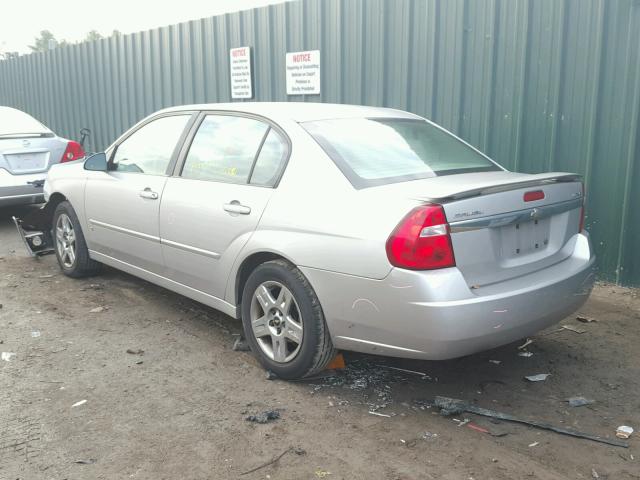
(303, 73)
(240, 67)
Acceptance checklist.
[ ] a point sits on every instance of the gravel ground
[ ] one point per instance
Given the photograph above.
(116, 378)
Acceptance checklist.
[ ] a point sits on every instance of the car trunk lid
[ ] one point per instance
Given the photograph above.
(513, 227)
(503, 224)
(30, 154)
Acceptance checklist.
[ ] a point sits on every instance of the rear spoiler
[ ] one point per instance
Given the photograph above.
(539, 180)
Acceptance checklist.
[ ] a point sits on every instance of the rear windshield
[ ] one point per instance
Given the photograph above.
(374, 152)
(16, 122)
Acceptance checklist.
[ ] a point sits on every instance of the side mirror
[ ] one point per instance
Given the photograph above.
(96, 162)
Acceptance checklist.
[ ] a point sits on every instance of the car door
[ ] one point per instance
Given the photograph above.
(122, 205)
(213, 204)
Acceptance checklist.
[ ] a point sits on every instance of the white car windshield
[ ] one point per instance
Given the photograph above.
(373, 151)
(15, 122)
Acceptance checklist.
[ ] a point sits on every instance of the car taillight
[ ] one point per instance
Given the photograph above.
(533, 196)
(421, 240)
(74, 151)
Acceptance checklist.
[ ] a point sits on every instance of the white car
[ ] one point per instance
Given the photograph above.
(27, 151)
(327, 227)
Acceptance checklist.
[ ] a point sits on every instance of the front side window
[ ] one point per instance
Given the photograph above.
(380, 151)
(150, 148)
(224, 149)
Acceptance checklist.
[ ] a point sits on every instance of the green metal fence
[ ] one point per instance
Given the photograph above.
(539, 85)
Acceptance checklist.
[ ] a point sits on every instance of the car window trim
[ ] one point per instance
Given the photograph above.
(176, 150)
(258, 151)
(186, 146)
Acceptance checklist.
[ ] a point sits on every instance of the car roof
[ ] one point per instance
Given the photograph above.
(299, 111)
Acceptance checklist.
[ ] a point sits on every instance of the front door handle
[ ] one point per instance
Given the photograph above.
(237, 208)
(148, 193)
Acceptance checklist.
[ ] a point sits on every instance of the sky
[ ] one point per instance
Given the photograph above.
(22, 21)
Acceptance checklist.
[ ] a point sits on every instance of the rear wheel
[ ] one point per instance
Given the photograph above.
(71, 248)
(283, 321)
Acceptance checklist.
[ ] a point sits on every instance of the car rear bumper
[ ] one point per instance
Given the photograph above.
(15, 189)
(435, 315)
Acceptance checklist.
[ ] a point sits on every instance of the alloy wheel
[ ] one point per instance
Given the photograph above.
(276, 321)
(65, 240)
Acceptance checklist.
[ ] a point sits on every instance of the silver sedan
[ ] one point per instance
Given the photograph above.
(27, 150)
(328, 227)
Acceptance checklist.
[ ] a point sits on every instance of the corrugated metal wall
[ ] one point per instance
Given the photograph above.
(537, 84)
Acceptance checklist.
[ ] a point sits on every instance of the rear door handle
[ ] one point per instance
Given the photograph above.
(148, 193)
(237, 208)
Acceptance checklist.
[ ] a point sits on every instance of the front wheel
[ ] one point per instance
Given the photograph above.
(71, 248)
(283, 321)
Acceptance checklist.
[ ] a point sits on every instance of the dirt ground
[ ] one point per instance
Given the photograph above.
(178, 409)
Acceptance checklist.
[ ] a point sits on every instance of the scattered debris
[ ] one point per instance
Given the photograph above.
(534, 444)
(273, 460)
(579, 401)
(77, 404)
(271, 375)
(139, 362)
(240, 345)
(7, 356)
(540, 377)
(89, 461)
(321, 473)
(624, 431)
(585, 319)
(594, 474)
(525, 354)
(264, 417)
(495, 362)
(573, 328)
(429, 435)
(337, 363)
(482, 385)
(478, 428)
(525, 344)
(451, 406)
(379, 414)
(422, 374)
(135, 352)
(98, 310)
(47, 276)
(35, 334)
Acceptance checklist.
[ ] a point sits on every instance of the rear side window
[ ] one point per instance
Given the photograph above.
(235, 149)
(224, 149)
(374, 152)
(149, 149)
(270, 161)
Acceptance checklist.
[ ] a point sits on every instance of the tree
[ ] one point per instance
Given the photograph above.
(8, 55)
(92, 35)
(42, 42)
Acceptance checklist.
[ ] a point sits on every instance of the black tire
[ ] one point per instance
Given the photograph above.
(316, 349)
(83, 265)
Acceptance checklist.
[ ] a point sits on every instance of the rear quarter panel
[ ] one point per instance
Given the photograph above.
(317, 219)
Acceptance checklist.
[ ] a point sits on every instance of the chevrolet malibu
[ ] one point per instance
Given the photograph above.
(27, 150)
(327, 227)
